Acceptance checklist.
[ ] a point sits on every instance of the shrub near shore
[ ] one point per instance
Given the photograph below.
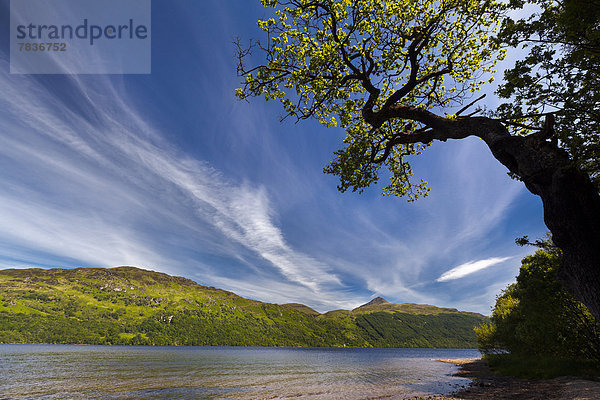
(537, 328)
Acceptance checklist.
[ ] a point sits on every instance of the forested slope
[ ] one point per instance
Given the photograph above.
(127, 305)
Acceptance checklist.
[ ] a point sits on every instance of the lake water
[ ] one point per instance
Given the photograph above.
(132, 372)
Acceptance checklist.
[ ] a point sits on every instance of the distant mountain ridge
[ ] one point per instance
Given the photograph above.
(377, 301)
(128, 305)
(381, 304)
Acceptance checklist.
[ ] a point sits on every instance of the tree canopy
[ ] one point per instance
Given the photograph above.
(386, 70)
(369, 66)
(560, 74)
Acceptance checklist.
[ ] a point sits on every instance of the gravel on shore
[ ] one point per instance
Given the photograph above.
(486, 385)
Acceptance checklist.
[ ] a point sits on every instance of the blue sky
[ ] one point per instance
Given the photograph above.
(170, 172)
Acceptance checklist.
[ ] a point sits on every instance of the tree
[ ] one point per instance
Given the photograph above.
(536, 317)
(559, 75)
(384, 70)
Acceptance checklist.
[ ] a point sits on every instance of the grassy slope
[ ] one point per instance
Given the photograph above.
(128, 305)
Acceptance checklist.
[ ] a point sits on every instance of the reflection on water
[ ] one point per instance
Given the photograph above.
(125, 372)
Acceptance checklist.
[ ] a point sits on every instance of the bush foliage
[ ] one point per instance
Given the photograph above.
(537, 318)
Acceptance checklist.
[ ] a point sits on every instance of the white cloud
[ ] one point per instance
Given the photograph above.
(101, 187)
(469, 268)
(113, 189)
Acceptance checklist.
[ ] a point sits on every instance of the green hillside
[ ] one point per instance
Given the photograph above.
(128, 305)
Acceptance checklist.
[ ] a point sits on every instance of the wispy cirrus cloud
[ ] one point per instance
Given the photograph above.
(98, 184)
(168, 172)
(470, 267)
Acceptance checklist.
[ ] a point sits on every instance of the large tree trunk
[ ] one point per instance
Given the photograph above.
(571, 205)
(571, 202)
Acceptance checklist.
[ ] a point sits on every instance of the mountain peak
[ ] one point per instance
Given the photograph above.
(376, 301)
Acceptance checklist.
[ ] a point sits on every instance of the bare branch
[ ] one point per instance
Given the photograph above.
(465, 108)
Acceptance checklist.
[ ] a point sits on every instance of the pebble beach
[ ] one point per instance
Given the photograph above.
(487, 386)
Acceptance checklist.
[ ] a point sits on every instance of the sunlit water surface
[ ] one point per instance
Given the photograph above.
(131, 372)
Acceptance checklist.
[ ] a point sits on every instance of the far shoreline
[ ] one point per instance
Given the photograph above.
(243, 346)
